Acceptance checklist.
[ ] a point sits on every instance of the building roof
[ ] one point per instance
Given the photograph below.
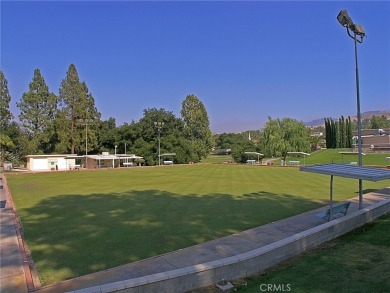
(298, 153)
(112, 157)
(48, 156)
(349, 171)
(254, 153)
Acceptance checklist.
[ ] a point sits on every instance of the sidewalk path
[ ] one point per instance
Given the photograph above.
(12, 277)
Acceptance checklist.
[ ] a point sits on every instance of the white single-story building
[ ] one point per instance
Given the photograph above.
(71, 162)
(50, 162)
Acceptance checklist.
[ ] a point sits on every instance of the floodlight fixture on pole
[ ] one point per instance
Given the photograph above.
(159, 125)
(346, 21)
(357, 30)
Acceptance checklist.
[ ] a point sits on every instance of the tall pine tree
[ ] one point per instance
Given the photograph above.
(328, 133)
(38, 108)
(5, 98)
(77, 112)
(349, 132)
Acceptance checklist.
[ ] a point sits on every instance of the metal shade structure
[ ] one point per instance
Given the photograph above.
(349, 154)
(348, 171)
(300, 154)
(167, 155)
(255, 154)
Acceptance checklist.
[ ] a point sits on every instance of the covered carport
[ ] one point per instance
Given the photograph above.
(350, 154)
(253, 154)
(74, 162)
(348, 171)
(168, 162)
(128, 160)
(299, 154)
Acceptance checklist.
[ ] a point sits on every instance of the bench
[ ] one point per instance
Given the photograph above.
(128, 164)
(341, 208)
(168, 162)
(251, 161)
(293, 162)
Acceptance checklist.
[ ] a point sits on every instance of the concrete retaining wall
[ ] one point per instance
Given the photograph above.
(245, 264)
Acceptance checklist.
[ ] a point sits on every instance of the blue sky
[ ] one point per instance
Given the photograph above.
(244, 60)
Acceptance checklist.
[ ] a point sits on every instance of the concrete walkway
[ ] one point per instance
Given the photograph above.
(213, 250)
(12, 277)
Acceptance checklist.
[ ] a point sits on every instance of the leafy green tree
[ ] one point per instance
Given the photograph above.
(315, 141)
(197, 126)
(142, 137)
(172, 137)
(77, 112)
(5, 98)
(238, 150)
(127, 134)
(379, 122)
(38, 108)
(366, 123)
(284, 135)
(108, 135)
(228, 140)
(5, 142)
(237, 144)
(15, 152)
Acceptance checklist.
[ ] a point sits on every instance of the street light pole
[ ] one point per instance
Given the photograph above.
(358, 105)
(357, 30)
(159, 125)
(86, 122)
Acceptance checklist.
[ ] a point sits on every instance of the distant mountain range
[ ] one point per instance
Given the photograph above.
(368, 114)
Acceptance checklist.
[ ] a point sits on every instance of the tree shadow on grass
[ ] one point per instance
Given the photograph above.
(73, 235)
(367, 190)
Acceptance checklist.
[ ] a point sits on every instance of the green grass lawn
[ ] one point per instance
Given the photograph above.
(333, 155)
(217, 159)
(81, 222)
(356, 262)
(318, 157)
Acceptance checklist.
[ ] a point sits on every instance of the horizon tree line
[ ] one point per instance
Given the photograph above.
(57, 124)
(50, 123)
